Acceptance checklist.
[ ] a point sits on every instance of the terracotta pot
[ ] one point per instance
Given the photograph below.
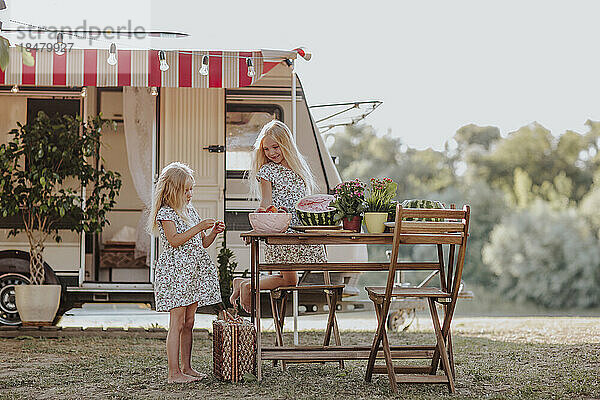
(352, 223)
(375, 220)
(37, 304)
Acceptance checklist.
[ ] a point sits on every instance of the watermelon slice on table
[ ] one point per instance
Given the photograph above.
(315, 210)
(415, 203)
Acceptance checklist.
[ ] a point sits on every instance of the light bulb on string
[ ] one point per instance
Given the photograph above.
(154, 91)
(59, 47)
(251, 71)
(204, 68)
(112, 58)
(15, 89)
(83, 92)
(163, 61)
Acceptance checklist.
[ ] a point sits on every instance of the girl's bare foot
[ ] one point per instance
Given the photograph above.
(182, 378)
(194, 373)
(246, 306)
(237, 282)
(245, 296)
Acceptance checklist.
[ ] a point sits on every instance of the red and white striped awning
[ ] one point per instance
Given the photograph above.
(89, 67)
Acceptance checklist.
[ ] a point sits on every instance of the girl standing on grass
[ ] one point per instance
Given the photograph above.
(185, 276)
(281, 176)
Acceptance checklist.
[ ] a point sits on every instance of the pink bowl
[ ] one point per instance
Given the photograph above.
(270, 222)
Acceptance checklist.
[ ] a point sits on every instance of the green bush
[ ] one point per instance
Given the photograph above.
(548, 256)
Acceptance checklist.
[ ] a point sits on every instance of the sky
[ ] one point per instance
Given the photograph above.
(436, 65)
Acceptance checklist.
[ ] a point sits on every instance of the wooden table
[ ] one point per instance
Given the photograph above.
(332, 353)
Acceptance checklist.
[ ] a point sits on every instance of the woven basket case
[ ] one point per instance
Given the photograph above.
(234, 350)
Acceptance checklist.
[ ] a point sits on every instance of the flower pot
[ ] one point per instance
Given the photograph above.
(37, 304)
(352, 223)
(375, 220)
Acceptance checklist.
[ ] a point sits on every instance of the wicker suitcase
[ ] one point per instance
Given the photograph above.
(234, 349)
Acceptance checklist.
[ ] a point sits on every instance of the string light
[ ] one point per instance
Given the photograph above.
(154, 91)
(204, 68)
(83, 92)
(59, 47)
(301, 51)
(251, 71)
(163, 61)
(15, 89)
(112, 58)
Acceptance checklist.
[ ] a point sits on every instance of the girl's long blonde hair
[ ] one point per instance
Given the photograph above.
(170, 191)
(282, 135)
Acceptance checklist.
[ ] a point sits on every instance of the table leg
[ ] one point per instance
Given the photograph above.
(253, 263)
(255, 287)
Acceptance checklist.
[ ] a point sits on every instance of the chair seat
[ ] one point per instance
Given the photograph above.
(309, 287)
(379, 291)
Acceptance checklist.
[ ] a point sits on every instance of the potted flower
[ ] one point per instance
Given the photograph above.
(379, 203)
(43, 169)
(349, 204)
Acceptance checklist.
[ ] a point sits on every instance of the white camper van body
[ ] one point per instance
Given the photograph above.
(191, 125)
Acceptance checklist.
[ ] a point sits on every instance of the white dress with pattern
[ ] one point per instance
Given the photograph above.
(287, 188)
(185, 274)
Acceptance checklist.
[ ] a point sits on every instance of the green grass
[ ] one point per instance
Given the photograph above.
(492, 368)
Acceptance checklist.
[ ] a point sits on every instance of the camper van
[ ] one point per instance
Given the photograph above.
(206, 110)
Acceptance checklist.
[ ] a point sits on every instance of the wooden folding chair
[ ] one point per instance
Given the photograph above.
(452, 230)
(333, 294)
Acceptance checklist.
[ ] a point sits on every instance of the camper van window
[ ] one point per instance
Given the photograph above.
(52, 107)
(243, 125)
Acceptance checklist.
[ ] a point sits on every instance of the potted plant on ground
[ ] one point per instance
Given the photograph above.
(43, 169)
(227, 266)
(379, 203)
(349, 204)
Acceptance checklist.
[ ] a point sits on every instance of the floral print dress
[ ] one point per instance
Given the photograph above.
(287, 188)
(185, 274)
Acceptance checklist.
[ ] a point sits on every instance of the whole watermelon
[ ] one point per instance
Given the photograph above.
(415, 203)
(314, 210)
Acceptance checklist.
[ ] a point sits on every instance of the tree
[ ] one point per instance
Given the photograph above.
(561, 170)
(472, 135)
(42, 169)
(545, 255)
(363, 154)
(488, 207)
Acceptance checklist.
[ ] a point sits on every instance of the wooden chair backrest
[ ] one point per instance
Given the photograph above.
(454, 225)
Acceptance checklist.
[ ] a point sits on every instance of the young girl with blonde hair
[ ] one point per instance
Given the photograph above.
(185, 277)
(281, 176)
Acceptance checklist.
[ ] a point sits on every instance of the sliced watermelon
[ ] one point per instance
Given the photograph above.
(314, 210)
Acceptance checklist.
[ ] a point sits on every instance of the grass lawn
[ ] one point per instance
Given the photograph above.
(491, 363)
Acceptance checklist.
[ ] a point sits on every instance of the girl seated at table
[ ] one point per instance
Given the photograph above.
(280, 176)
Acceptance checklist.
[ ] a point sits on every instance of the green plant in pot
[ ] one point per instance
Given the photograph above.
(227, 265)
(349, 204)
(43, 168)
(379, 203)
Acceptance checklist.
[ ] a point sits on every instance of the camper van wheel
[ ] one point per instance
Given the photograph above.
(8, 306)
